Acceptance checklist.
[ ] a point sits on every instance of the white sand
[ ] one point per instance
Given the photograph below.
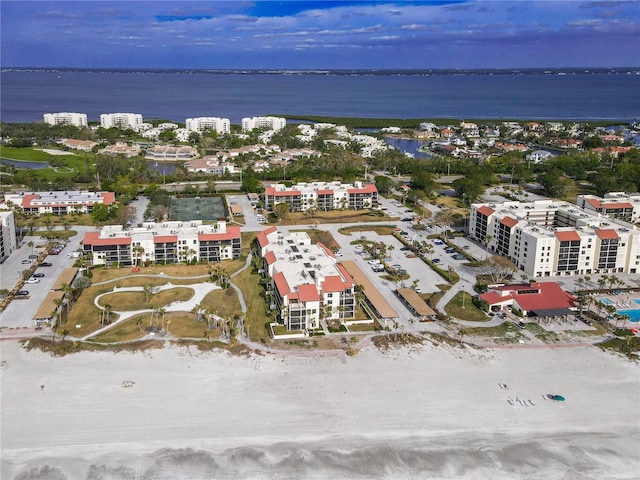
(431, 414)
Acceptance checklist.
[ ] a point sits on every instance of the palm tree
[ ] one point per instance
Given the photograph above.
(139, 324)
(587, 279)
(487, 240)
(106, 314)
(30, 244)
(68, 293)
(148, 291)
(613, 280)
(602, 282)
(162, 311)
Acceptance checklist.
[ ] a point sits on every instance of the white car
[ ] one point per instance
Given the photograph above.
(338, 253)
(32, 280)
(375, 261)
(418, 290)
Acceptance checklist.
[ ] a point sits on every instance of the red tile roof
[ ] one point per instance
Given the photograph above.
(368, 188)
(607, 234)
(269, 191)
(493, 298)
(308, 293)
(347, 278)
(281, 284)
(93, 238)
(550, 297)
(288, 193)
(326, 249)
(270, 257)
(334, 283)
(486, 211)
(610, 206)
(165, 239)
(324, 192)
(231, 233)
(594, 202)
(108, 197)
(26, 200)
(262, 236)
(568, 236)
(509, 222)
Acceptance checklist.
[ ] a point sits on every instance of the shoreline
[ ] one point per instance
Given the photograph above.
(429, 411)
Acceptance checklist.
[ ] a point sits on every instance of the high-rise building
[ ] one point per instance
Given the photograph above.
(200, 124)
(66, 118)
(272, 123)
(121, 120)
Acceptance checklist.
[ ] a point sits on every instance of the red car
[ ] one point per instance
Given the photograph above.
(54, 252)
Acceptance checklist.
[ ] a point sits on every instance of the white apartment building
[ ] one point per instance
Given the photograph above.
(200, 124)
(307, 282)
(59, 202)
(322, 195)
(618, 205)
(121, 120)
(549, 238)
(171, 153)
(167, 242)
(272, 123)
(66, 118)
(8, 242)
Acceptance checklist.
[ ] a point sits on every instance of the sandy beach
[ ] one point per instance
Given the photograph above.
(427, 413)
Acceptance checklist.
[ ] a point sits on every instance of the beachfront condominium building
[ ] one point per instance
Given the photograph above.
(121, 120)
(66, 118)
(164, 243)
(307, 283)
(59, 202)
(548, 238)
(8, 242)
(615, 204)
(322, 196)
(271, 123)
(215, 124)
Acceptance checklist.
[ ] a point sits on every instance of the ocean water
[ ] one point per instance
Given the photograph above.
(27, 95)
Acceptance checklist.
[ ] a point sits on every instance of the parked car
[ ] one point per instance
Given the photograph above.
(418, 290)
(54, 252)
(32, 280)
(467, 247)
(338, 253)
(22, 293)
(435, 260)
(404, 249)
(38, 275)
(46, 264)
(25, 262)
(406, 219)
(438, 242)
(375, 261)
(404, 234)
(33, 256)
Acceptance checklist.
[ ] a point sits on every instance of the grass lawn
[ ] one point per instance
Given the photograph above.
(505, 333)
(127, 301)
(380, 230)
(54, 234)
(124, 331)
(85, 313)
(364, 327)
(223, 303)
(469, 312)
(104, 274)
(256, 315)
(184, 325)
(25, 154)
(336, 216)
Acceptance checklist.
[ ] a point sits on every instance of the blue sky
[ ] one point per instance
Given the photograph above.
(320, 35)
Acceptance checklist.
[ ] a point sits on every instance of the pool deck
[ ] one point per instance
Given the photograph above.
(622, 301)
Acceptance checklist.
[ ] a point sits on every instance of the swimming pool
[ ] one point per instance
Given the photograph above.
(634, 313)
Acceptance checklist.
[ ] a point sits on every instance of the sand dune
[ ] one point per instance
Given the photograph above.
(435, 413)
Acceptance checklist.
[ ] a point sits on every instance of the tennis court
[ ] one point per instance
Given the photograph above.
(197, 208)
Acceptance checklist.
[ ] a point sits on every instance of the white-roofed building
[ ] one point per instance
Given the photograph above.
(8, 242)
(307, 282)
(121, 120)
(66, 118)
(167, 242)
(271, 123)
(549, 238)
(201, 124)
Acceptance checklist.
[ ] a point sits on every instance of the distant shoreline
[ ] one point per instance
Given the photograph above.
(374, 71)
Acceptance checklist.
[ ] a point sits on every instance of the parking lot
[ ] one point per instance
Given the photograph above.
(19, 313)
